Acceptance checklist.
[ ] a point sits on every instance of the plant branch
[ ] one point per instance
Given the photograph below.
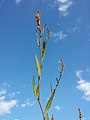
(80, 114)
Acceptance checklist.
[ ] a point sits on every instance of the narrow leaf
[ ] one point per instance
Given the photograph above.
(46, 117)
(43, 50)
(37, 38)
(51, 87)
(38, 65)
(50, 101)
(34, 86)
(43, 53)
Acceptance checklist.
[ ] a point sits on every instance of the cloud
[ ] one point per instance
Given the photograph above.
(13, 94)
(57, 108)
(18, 2)
(6, 84)
(63, 6)
(78, 74)
(23, 105)
(83, 85)
(2, 91)
(27, 103)
(75, 28)
(87, 70)
(58, 35)
(2, 98)
(62, 1)
(5, 106)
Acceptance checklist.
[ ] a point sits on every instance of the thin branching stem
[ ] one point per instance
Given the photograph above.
(42, 48)
(38, 99)
(40, 105)
(80, 114)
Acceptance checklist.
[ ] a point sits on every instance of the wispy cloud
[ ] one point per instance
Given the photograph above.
(6, 106)
(23, 105)
(83, 85)
(13, 94)
(78, 74)
(6, 84)
(75, 28)
(87, 70)
(27, 103)
(18, 2)
(2, 91)
(63, 6)
(58, 35)
(57, 108)
(16, 119)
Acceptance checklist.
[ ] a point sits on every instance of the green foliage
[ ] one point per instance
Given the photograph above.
(42, 47)
(43, 53)
(48, 105)
(51, 87)
(34, 86)
(38, 65)
(46, 117)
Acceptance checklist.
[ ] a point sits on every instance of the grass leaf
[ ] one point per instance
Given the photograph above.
(34, 86)
(38, 65)
(51, 87)
(48, 105)
(46, 117)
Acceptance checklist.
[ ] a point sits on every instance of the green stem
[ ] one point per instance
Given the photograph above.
(40, 105)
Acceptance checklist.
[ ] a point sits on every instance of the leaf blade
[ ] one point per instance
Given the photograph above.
(51, 87)
(46, 117)
(34, 86)
(48, 105)
(38, 65)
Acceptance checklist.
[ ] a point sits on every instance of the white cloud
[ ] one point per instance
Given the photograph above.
(78, 74)
(23, 105)
(5, 107)
(62, 1)
(27, 103)
(57, 108)
(2, 98)
(83, 85)
(13, 94)
(2, 91)
(18, 92)
(63, 6)
(18, 1)
(58, 35)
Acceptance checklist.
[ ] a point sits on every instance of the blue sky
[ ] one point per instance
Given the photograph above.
(69, 22)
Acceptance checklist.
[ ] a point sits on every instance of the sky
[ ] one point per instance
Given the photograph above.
(69, 23)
